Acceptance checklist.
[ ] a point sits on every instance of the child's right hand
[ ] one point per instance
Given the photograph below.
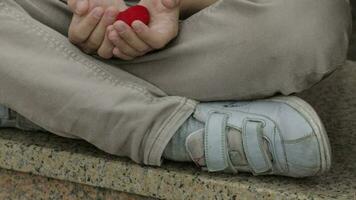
(90, 20)
(140, 39)
(91, 28)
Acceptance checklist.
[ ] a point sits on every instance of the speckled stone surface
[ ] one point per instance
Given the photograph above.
(77, 161)
(18, 185)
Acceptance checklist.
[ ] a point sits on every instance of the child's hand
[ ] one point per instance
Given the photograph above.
(131, 42)
(90, 21)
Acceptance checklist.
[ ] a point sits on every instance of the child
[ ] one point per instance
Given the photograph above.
(144, 108)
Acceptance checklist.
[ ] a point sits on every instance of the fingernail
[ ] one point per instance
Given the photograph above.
(98, 12)
(112, 35)
(116, 51)
(121, 27)
(111, 14)
(81, 5)
(110, 28)
(137, 26)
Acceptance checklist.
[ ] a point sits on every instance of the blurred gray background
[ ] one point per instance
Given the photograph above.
(352, 52)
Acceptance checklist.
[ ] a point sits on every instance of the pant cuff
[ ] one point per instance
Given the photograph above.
(170, 127)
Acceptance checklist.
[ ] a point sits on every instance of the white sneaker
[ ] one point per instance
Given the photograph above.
(281, 136)
(11, 119)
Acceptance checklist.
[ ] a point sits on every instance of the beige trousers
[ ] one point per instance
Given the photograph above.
(232, 50)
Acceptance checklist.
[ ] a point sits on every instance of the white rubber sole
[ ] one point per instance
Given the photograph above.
(315, 122)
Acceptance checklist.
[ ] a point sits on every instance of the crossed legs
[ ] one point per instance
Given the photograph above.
(262, 48)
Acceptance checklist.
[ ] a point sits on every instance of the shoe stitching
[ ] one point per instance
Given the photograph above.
(302, 166)
(299, 139)
(285, 157)
(206, 140)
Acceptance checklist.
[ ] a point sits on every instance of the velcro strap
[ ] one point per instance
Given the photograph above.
(252, 142)
(216, 153)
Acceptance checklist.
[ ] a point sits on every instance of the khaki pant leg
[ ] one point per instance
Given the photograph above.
(239, 49)
(52, 83)
(245, 49)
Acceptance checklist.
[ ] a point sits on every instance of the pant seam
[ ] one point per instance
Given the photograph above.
(56, 44)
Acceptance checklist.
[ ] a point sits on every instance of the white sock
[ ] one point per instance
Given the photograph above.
(176, 150)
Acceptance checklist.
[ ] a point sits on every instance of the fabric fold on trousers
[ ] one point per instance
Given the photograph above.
(231, 50)
(55, 85)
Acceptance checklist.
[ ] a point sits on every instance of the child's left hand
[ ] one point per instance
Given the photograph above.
(131, 42)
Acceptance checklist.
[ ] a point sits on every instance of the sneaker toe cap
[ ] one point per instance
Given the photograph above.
(303, 156)
(292, 124)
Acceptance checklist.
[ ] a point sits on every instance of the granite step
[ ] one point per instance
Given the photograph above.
(18, 185)
(76, 161)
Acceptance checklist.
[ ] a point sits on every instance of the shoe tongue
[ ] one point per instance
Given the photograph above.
(195, 148)
(236, 150)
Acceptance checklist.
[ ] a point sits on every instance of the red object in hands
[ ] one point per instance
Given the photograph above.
(134, 13)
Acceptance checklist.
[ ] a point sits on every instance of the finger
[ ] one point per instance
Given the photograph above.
(72, 4)
(117, 53)
(78, 7)
(130, 37)
(81, 28)
(155, 39)
(120, 4)
(96, 3)
(122, 45)
(170, 4)
(106, 49)
(98, 35)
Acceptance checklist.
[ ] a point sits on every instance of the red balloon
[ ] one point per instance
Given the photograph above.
(133, 13)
